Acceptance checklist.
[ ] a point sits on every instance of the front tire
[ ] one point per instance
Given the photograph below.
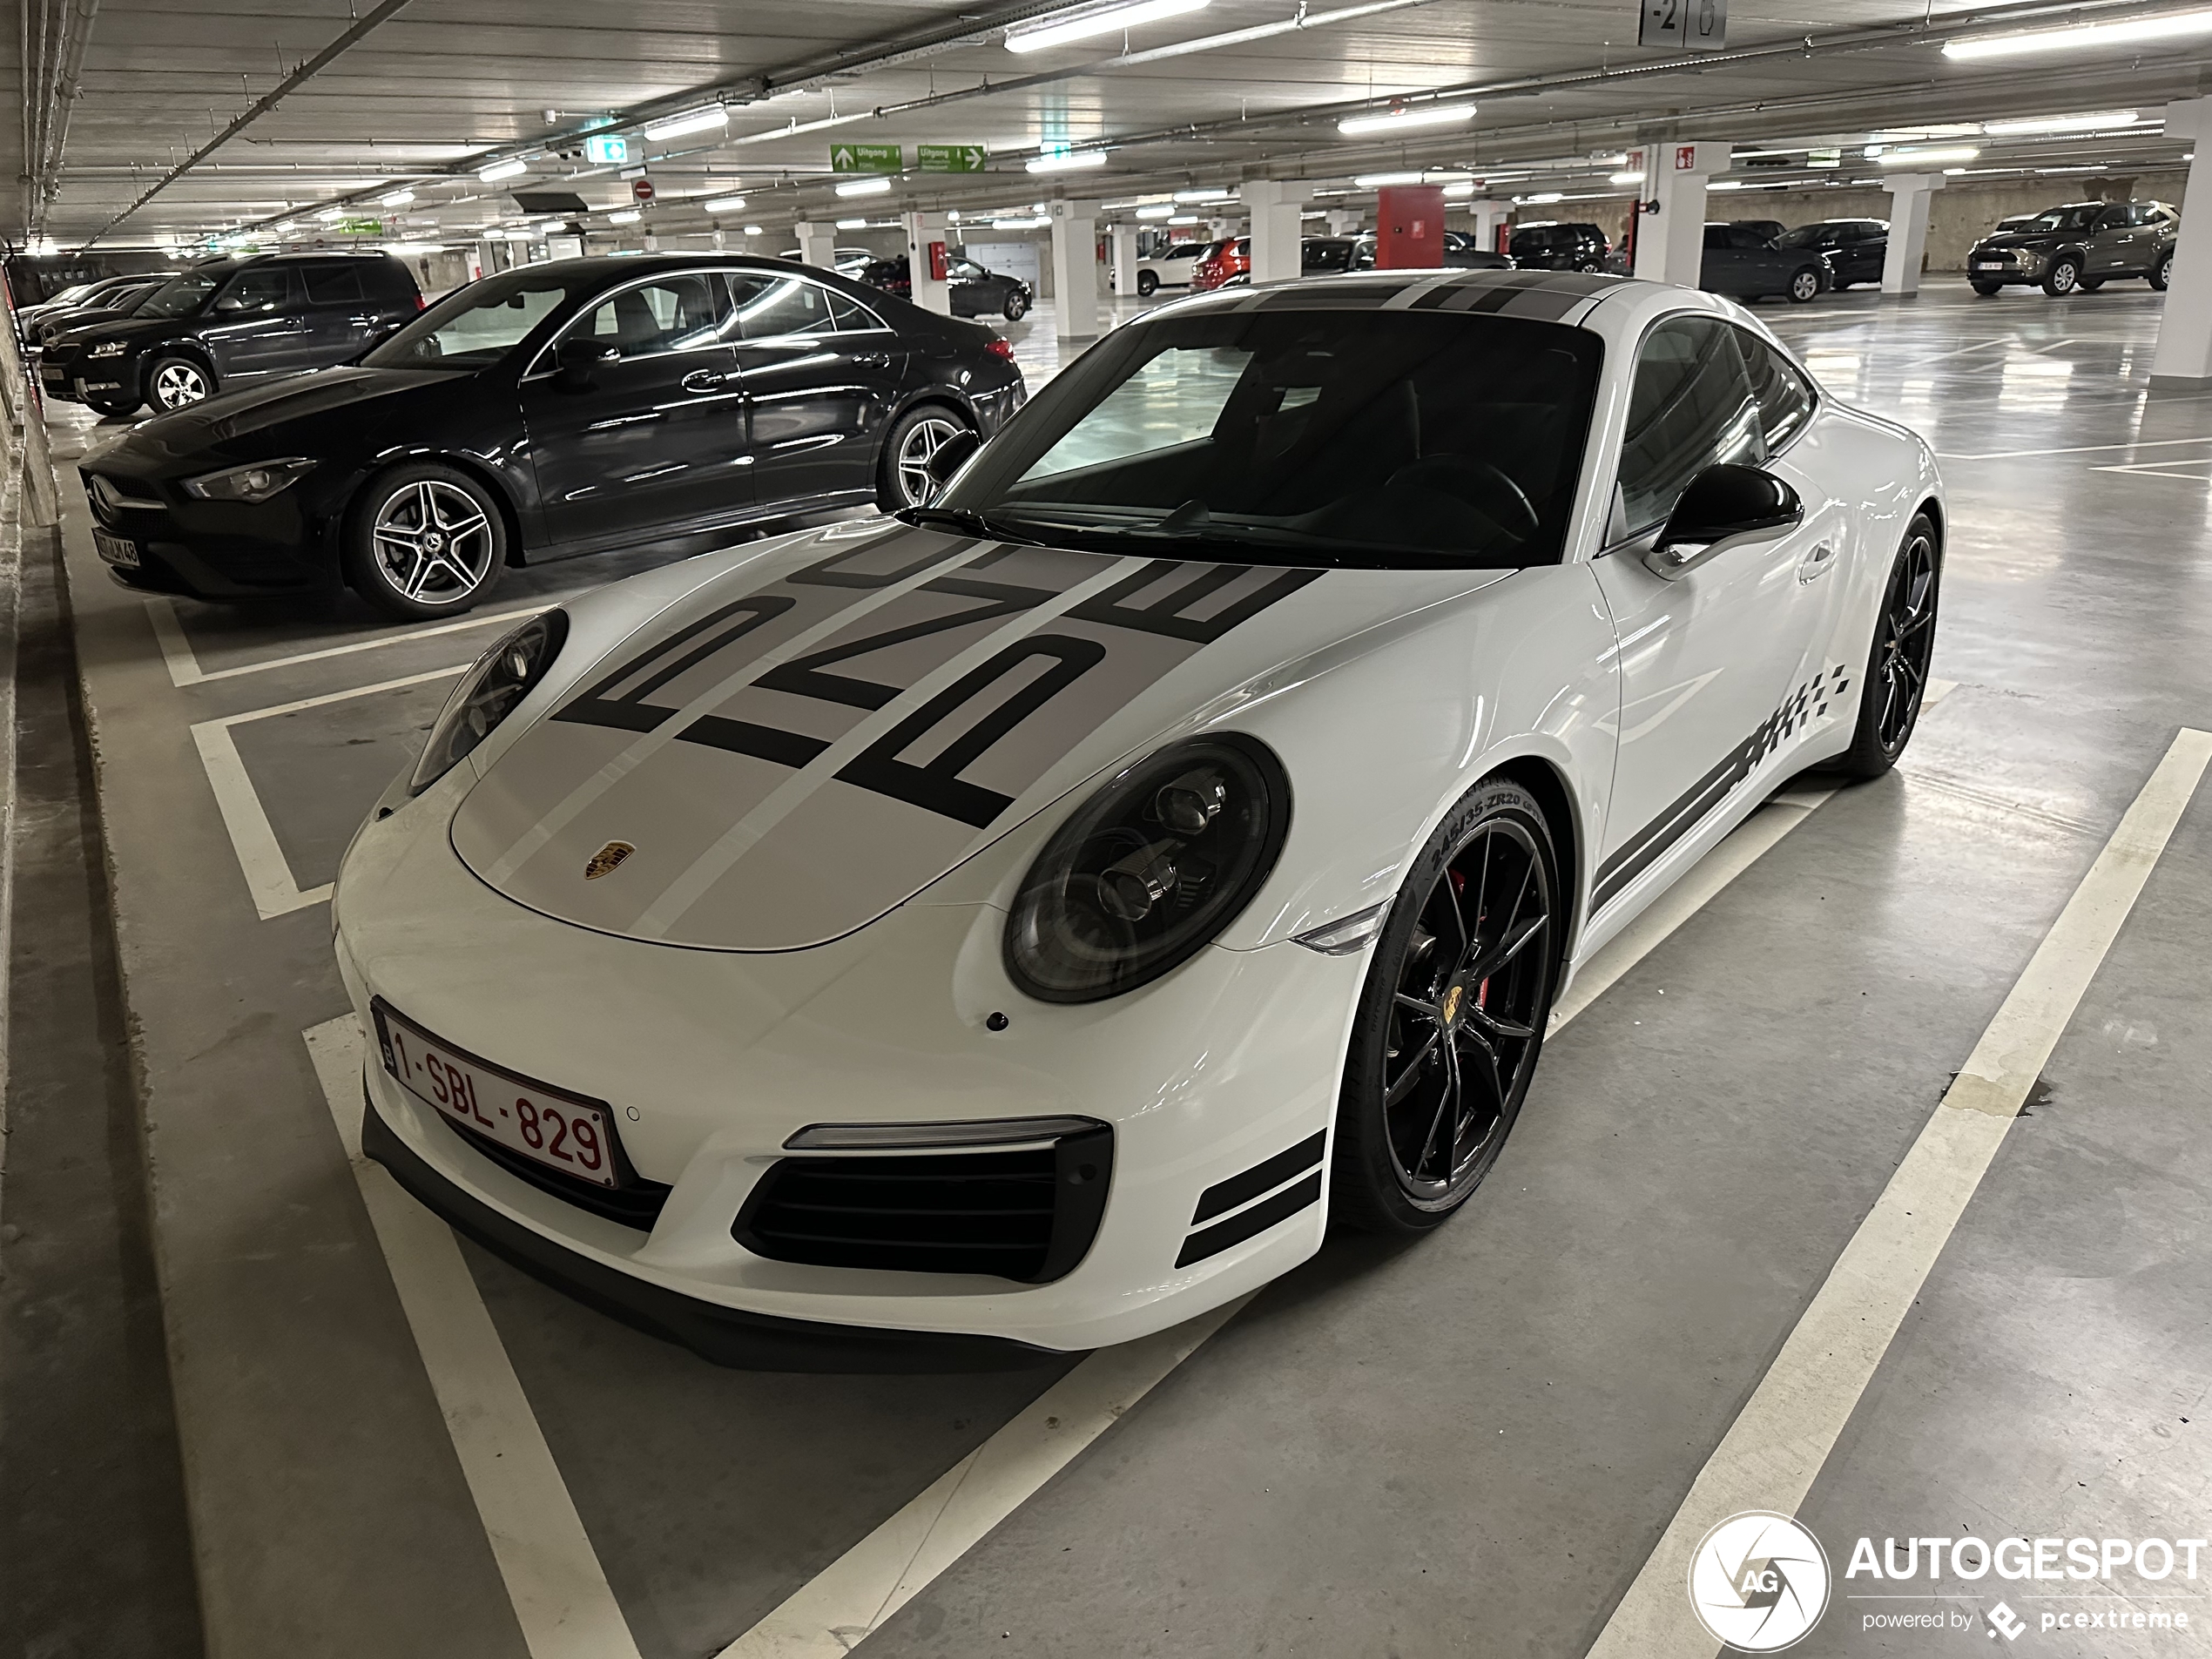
(1987, 290)
(2162, 272)
(1017, 306)
(902, 476)
(1451, 1020)
(1804, 286)
(178, 382)
(2063, 277)
(423, 540)
(2090, 285)
(113, 407)
(1896, 668)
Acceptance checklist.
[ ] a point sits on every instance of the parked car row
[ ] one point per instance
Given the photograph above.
(973, 290)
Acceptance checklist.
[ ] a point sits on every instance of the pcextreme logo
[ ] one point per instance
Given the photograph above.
(1758, 1581)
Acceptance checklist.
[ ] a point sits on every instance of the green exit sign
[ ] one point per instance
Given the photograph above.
(359, 227)
(866, 157)
(950, 157)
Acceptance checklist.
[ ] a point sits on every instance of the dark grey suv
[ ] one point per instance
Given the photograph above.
(232, 323)
(2079, 247)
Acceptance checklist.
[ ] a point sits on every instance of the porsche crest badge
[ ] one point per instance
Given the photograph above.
(606, 858)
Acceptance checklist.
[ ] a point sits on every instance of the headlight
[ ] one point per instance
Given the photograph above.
(1149, 870)
(108, 348)
(257, 483)
(488, 693)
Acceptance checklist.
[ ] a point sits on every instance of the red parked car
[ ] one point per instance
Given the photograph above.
(1221, 262)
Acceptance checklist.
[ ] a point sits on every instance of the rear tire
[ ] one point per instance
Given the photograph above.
(2063, 277)
(1451, 1020)
(1896, 679)
(178, 382)
(1147, 284)
(902, 475)
(2090, 285)
(423, 540)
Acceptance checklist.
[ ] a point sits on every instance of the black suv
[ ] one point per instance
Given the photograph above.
(2079, 247)
(1853, 249)
(1549, 246)
(232, 323)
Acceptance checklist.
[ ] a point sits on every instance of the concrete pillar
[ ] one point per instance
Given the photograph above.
(1075, 267)
(1275, 204)
(1670, 243)
(931, 294)
(1121, 244)
(1343, 221)
(1909, 193)
(816, 244)
(1489, 215)
(2184, 353)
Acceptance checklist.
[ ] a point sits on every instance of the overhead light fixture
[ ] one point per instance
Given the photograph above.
(1106, 21)
(699, 120)
(750, 230)
(1928, 158)
(1432, 176)
(1931, 130)
(1459, 193)
(2084, 36)
(331, 215)
(726, 204)
(625, 216)
(865, 187)
(1155, 212)
(500, 170)
(1037, 224)
(1725, 183)
(1542, 196)
(1631, 176)
(851, 224)
(2088, 122)
(1183, 218)
(397, 198)
(1206, 195)
(1067, 161)
(1417, 115)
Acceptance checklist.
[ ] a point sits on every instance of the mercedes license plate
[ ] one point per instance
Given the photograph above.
(116, 550)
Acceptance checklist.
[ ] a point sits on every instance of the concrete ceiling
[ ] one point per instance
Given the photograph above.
(420, 93)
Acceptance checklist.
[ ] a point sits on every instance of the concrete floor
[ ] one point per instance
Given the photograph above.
(1468, 1446)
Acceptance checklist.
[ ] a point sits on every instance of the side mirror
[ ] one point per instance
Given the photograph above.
(578, 357)
(1723, 502)
(952, 456)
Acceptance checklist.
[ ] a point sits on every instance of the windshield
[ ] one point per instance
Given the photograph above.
(476, 326)
(2067, 219)
(181, 295)
(1366, 438)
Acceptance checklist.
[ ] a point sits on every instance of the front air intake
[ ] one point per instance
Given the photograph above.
(1027, 1215)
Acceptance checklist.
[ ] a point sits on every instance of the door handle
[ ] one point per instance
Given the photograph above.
(705, 380)
(872, 359)
(1816, 562)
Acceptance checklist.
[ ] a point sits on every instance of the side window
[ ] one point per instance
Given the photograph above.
(772, 306)
(259, 287)
(1715, 236)
(1690, 408)
(2145, 213)
(849, 316)
(2111, 219)
(1785, 398)
(333, 285)
(671, 315)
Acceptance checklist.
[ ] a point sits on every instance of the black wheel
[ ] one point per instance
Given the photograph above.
(111, 407)
(1986, 289)
(175, 382)
(2064, 276)
(2090, 285)
(1017, 306)
(2162, 272)
(903, 477)
(1896, 668)
(1452, 1018)
(424, 540)
(1147, 284)
(1805, 285)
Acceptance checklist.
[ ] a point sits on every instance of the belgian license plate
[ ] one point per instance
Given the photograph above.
(116, 550)
(560, 1131)
(1987, 265)
(51, 373)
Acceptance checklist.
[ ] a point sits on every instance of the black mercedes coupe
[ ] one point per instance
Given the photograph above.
(567, 408)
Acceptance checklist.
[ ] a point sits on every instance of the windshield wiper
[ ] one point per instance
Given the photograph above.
(961, 521)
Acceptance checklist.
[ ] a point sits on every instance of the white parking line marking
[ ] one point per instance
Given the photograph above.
(1776, 1448)
(553, 1575)
(2077, 450)
(276, 891)
(182, 661)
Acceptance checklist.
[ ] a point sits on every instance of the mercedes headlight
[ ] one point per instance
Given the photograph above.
(503, 676)
(257, 483)
(108, 348)
(1149, 870)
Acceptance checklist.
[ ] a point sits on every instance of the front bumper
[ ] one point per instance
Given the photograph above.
(712, 1060)
(212, 549)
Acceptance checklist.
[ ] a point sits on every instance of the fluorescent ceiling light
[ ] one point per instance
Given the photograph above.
(699, 120)
(1625, 178)
(1155, 212)
(1433, 176)
(1067, 161)
(2088, 36)
(1420, 115)
(1928, 158)
(625, 216)
(1206, 195)
(751, 230)
(331, 215)
(1020, 224)
(726, 204)
(851, 224)
(397, 198)
(1459, 193)
(865, 187)
(1542, 196)
(2062, 123)
(1725, 183)
(1091, 25)
(500, 170)
(1934, 130)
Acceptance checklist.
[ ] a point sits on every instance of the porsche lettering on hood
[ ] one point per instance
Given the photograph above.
(790, 758)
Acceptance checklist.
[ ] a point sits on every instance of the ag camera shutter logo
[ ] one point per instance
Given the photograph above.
(1758, 1581)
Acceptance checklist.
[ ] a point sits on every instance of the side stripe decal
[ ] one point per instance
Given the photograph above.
(1247, 1223)
(1265, 1176)
(1261, 1177)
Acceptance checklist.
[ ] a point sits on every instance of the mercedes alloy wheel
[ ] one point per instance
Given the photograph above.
(426, 542)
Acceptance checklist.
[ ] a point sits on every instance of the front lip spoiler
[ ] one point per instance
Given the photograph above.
(720, 1335)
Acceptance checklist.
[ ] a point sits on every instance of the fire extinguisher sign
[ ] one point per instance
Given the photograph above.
(1683, 25)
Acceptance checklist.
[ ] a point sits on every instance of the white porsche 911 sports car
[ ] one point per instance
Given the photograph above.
(1031, 923)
